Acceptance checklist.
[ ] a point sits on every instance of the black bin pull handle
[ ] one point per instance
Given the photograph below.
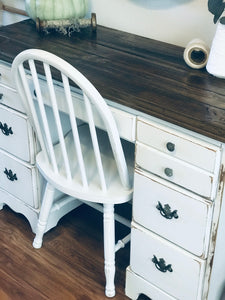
(10, 175)
(6, 130)
(166, 212)
(161, 265)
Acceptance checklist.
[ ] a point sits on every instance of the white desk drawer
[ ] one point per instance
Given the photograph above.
(19, 179)
(136, 286)
(187, 220)
(126, 122)
(165, 265)
(5, 75)
(174, 170)
(19, 139)
(10, 98)
(182, 146)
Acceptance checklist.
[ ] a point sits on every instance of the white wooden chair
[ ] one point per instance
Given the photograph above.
(88, 163)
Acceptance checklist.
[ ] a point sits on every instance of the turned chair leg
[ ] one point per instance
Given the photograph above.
(44, 213)
(109, 249)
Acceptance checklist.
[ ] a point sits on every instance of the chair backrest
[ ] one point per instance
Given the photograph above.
(25, 69)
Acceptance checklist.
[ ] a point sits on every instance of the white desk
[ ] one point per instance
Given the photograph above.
(156, 100)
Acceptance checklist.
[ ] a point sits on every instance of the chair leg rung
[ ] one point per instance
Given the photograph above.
(122, 243)
(117, 217)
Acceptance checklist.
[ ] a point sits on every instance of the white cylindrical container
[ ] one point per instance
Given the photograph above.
(216, 61)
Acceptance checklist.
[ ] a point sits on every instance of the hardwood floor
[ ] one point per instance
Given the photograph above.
(68, 266)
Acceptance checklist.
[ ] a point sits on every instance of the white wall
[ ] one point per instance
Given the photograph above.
(14, 3)
(9, 18)
(173, 21)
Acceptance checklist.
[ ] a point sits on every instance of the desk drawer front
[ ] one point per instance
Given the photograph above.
(6, 75)
(178, 273)
(18, 179)
(10, 98)
(176, 171)
(126, 122)
(189, 149)
(136, 285)
(15, 133)
(186, 223)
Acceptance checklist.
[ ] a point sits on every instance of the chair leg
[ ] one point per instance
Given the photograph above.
(109, 249)
(44, 213)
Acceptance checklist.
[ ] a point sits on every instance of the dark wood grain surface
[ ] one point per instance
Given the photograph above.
(143, 74)
(70, 264)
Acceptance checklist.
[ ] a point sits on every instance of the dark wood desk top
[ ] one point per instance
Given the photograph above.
(143, 74)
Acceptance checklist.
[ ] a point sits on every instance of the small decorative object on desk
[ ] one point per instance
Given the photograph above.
(216, 61)
(196, 54)
(65, 16)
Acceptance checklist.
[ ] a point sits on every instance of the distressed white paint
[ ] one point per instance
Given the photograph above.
(17, 153)
(192, 227)
(207, 155)
(137, 285)
(183, 174)
(184, 282)
(163, 32)
(197, 217)
(21, 142)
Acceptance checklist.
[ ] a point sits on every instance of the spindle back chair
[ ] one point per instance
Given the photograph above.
(87, 163)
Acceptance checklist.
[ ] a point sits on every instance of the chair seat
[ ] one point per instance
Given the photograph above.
(115, 192)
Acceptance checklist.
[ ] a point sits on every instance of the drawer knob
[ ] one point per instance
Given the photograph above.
(1, 96)
(170, 146)
(166, 211)
(168, 172)
(5, 129)
(10, 175)
(161, 265)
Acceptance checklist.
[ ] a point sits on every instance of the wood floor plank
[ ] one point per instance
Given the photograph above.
(68, 266)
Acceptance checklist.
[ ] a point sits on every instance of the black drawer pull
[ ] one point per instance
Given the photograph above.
(161, 265)
(168, 172)
(1, 96)
(170, 146)
(10, 175)
(5, 129)
(166, 211)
